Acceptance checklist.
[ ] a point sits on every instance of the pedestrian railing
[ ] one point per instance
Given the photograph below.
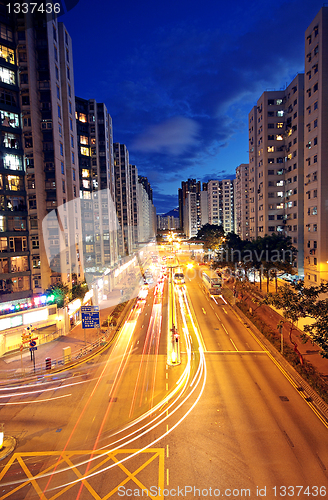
(49, 364)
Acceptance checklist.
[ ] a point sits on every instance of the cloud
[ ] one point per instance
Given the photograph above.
(173, 136)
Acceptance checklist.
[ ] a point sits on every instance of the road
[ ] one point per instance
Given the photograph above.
(226, 421)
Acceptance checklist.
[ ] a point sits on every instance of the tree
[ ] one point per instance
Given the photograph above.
(297, 301)
(79, 290)
(59, 291)
(211, 235)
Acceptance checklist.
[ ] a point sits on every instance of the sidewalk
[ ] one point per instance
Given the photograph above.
(76, 339)
(271, 317)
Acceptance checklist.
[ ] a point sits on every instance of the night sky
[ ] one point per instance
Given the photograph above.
(180, 77)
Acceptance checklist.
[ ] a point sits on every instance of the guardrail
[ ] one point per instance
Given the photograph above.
(59, 363)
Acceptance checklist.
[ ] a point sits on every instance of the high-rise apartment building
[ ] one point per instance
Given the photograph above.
(123, 199)
(146, 211)
(204, 205)
(316, 150)
(276, 165)
(42, 127)
(189, 186)
(241, 197)
(135, 216)
(221, 203)
(15, 264)
(190, 211)
(97, 190)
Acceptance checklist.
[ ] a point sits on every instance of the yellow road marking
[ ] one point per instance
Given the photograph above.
(66, 459)
(233, 344)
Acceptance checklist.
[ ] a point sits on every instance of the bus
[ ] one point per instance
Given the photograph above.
(178, 277)
(212, 282)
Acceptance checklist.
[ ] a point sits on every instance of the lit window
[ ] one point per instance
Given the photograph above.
(84, 140)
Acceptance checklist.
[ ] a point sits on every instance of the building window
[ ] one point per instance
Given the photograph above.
(63, 186)
(315, 159)
(74, 174)
(70, 107)
(73, 158)
(32, 202)
(57, 72)
(72, 141)
(71, 124)
(59, 111)
(62, 168)
(61, 148)
(35, 242)
(56, 53)
(58, 92)
(315, 123)
(68, 73)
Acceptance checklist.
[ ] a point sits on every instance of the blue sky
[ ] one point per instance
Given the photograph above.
(180, 77)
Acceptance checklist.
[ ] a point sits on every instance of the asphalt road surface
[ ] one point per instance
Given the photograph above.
(224, 422)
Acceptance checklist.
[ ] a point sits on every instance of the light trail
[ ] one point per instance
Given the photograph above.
(35, 401)
(158, 420)
(44, 390)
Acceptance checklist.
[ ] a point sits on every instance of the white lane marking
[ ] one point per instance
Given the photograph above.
(224, 310)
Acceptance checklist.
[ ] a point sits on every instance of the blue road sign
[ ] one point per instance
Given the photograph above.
(33, 348)
(90, 319)
(89, 309)
(32, 343)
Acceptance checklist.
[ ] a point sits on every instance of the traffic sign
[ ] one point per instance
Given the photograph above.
(90, 319)
(32, 343)
(89, 309)
(33, 348)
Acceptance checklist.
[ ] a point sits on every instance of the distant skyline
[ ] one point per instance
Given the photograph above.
(179, 78)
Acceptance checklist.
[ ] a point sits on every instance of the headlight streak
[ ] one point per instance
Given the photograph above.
(162, 436)
(44, 390)
(117, 443)
(201, 372)
(35, 401)
(88, 402)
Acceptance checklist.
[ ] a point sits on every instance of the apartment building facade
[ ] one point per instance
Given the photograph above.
(316, 150)
(220, 197)
(190, 212)
(97, 190)
(241, 199)
(189, 186)
(15, 265)
(276, 165)
(123, 199)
